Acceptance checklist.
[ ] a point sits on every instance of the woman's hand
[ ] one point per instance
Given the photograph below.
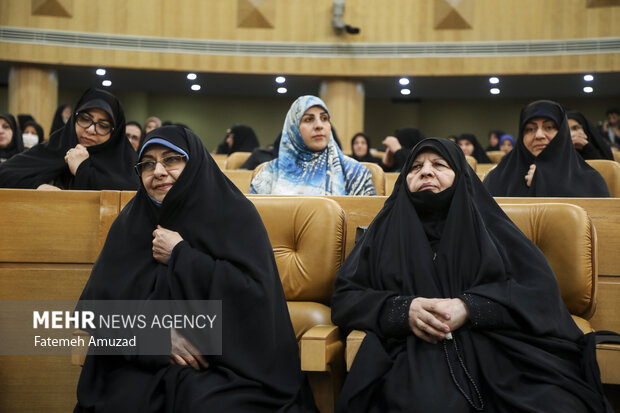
(47, 187)
(457, 311)
(75, 157)
(530, 174)
(579, 142)
(425, 319)
(164, 242)
(184, 353)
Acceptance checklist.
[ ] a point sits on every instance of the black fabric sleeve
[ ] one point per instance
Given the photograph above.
(485, 313)
(590, 152)
(394, 316)
(400, 157)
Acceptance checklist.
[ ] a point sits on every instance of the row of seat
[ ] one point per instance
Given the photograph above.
(51, 240)
(384, 181)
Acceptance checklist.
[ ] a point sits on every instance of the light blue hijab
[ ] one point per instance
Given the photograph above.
(300, 171)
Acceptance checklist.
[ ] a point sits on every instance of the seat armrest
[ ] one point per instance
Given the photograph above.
(354, 341)
(321, 346)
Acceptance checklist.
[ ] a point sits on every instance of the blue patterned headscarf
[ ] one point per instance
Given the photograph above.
(299, 170)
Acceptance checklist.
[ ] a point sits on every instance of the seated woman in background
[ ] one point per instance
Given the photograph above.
(471, 147)
(494, 137)
(32, 134)
(90, 152)
(397, 148)
(61, 117)
(260, 155)
(586, 139)
(544, 162)
(172, 242)
(10, 137)
(152, 122)
(506, 143)
(239, 138)
(360, 146)
(461, 309)
(309, 161)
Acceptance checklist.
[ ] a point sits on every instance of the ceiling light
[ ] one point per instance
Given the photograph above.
(195, 87)
(405, 92)
(403, 81)
(493, 80)
(588, 78)
(588, 89)
(280, 79)
(100, 72)
(494, 91)
(106, 83)
(191, 76)
(282, 90)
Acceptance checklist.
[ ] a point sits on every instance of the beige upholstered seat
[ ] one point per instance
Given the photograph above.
(236, 159)
(610, 170)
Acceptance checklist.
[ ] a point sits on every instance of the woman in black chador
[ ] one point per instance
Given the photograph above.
(189, 234)
(89, 152)
(462, 311)
(544, 162)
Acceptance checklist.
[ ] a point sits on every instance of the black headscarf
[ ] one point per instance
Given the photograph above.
(560, 171)
(527, 357)
(109, 165)
(57, 121)
(478, 152)
(597, 147)
(226, 255)
(244, 140)
(408, 138)
(367, 156)
(16, 145)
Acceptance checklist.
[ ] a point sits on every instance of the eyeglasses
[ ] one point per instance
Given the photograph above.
(170, 163)
(101, 128)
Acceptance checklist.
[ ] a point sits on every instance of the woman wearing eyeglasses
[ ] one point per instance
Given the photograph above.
(90, 152)
(173, 242)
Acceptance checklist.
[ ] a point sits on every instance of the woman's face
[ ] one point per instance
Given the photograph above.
(66, 114)
(150, 126)
(537, 134)
(429, 172)
(360, 147)
(315, 128)
(6, 133)
(576, 130)
(493, 139)
(506, 146)
(85, 129)
(466, 146)
(161, 167)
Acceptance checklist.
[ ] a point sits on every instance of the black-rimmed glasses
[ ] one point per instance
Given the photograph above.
(101, 128)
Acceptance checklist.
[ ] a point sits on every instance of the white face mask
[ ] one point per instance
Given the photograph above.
(30, 139)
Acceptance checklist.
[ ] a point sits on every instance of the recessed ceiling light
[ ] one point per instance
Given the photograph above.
(588, 78)
(493, 80)
(588, 89)
(403, 81)
(191, 76)
(405, 92)
(100, 72)
(106, 83)
(280, 79)
(494, 91)
(195, 87)
(282, 90)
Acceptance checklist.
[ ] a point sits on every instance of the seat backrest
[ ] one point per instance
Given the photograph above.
(219, 159)
(240, 177)
(378, 177)
(236, 159)
(308, 239)
(495, 156)
(472, 162)
(610, 170)
(565, 234)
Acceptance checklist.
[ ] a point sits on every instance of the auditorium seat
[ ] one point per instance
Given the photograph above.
(378, 177)
(236, 159)
(495, 156)
(610, 170)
